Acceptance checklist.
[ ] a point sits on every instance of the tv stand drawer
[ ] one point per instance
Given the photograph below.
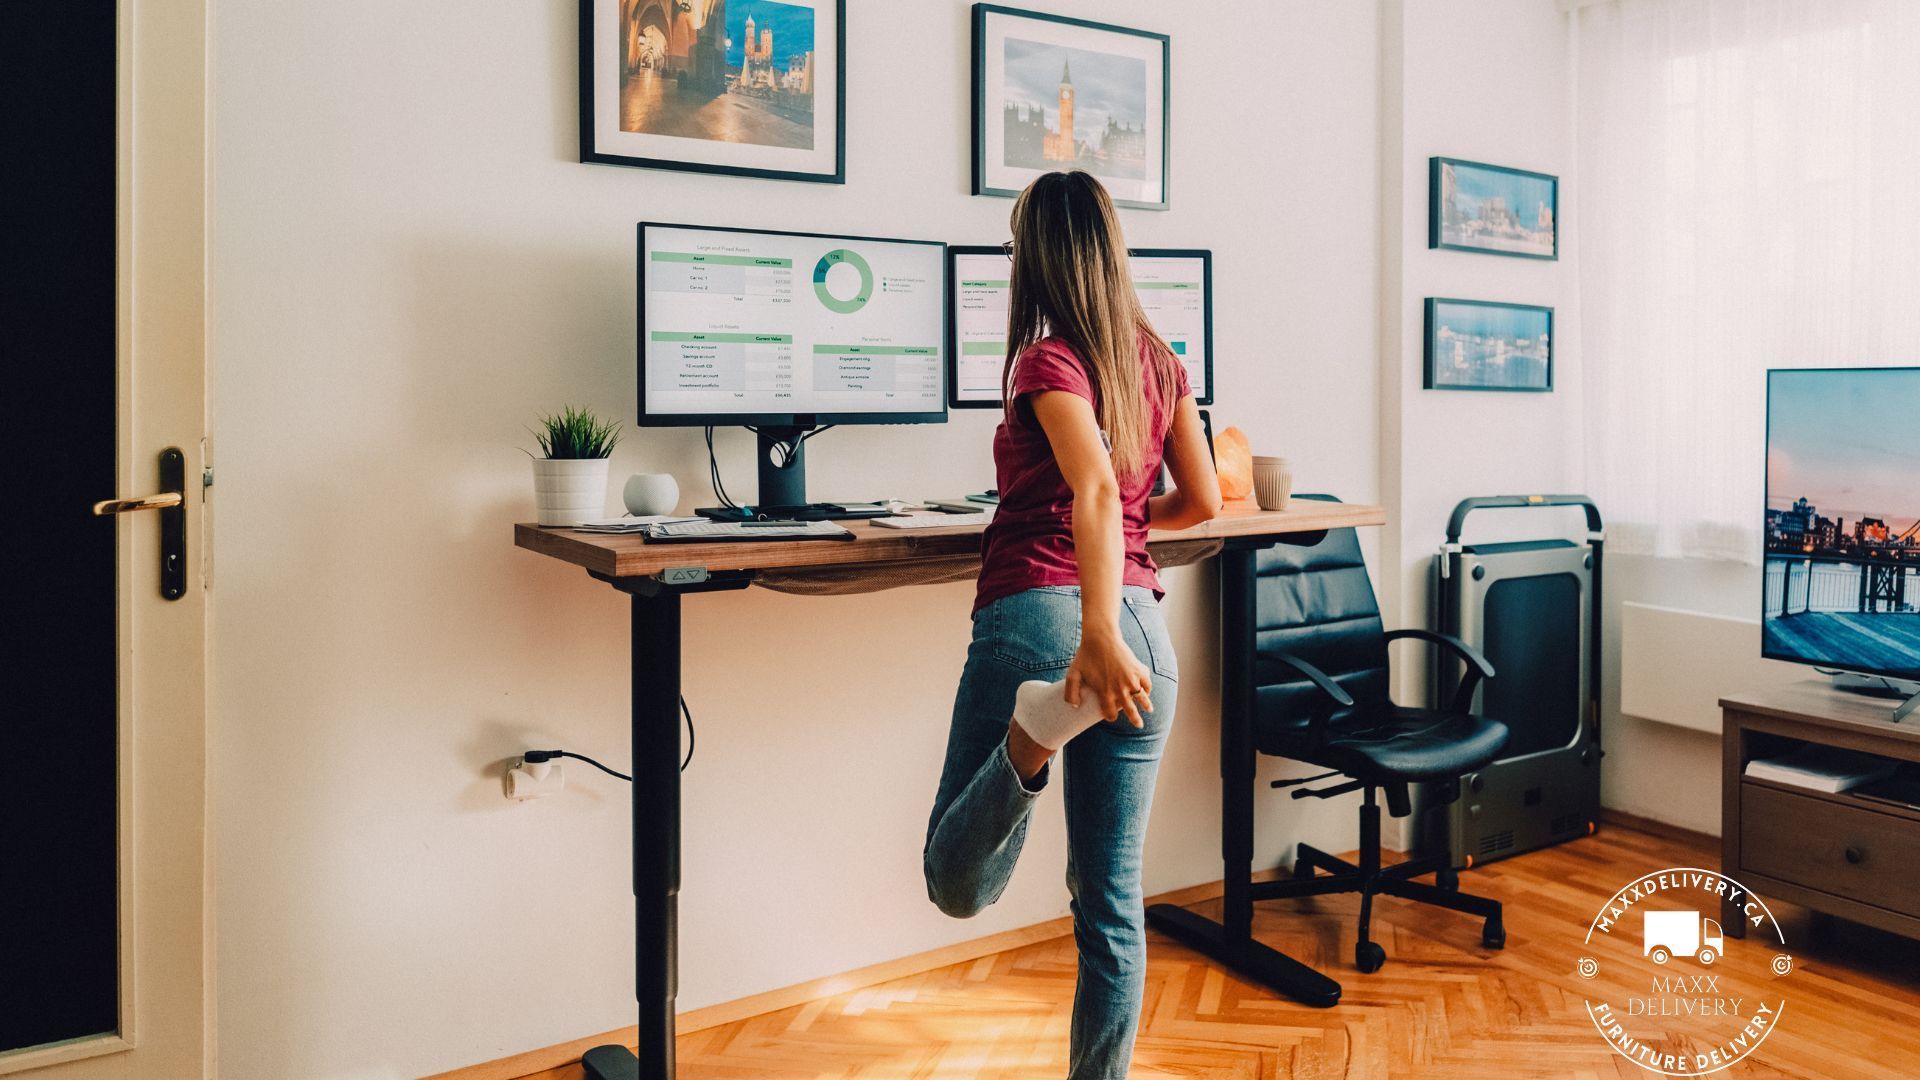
(1818, 843)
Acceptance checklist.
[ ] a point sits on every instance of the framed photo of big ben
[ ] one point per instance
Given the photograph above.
(1056, 94)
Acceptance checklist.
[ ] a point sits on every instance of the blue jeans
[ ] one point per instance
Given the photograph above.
(980, 814)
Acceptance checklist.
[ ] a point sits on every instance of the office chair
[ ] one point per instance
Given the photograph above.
(1304, 672)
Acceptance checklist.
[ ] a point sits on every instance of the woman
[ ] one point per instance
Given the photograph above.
(1069, 647)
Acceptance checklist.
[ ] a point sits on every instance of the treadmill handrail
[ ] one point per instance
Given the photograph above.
(1517, 502)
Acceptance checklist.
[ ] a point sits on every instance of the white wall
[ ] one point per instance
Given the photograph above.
(1655, 770)
(1491, 81)
(407, 267)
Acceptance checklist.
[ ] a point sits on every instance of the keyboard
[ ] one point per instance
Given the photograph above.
(713, 531)
(932, 521)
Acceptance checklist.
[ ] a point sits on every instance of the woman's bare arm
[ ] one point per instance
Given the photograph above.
(1196, 487)
(1104, 665)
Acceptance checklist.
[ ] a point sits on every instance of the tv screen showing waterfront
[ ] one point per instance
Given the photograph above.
(1842, 526)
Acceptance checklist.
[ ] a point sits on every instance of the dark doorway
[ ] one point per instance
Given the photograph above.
(59, 903)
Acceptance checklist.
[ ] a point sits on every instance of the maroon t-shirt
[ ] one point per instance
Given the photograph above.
(1030, 542)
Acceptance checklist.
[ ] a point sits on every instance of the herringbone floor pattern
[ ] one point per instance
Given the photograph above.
(1442, 1008)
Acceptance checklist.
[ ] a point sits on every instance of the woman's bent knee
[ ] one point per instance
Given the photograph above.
(953, 903)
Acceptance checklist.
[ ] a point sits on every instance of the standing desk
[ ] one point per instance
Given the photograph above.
(657, 576)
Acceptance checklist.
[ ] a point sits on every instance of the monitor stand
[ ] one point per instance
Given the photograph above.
(1905, 691)
(782, 492)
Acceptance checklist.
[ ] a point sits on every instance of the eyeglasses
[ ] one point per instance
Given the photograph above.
(1007, 246)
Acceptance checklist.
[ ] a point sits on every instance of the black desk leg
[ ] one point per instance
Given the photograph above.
(656, 841)
(1231, 941)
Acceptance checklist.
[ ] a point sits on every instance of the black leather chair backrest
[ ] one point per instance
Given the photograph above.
(1318, 604)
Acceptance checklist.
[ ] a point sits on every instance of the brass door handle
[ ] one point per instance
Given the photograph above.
(165, 500)
(171, 501)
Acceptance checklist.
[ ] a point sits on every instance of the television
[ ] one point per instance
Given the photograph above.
(1841, 586)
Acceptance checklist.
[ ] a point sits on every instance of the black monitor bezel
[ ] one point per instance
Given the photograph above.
(761, 419)
(1766, 467)
(1205, 255)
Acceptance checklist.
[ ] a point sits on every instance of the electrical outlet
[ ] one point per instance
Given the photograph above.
(531, 781)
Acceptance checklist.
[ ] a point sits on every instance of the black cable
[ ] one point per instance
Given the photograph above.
(534, 757)
(713, 474)
(688, 713)
(537, 756)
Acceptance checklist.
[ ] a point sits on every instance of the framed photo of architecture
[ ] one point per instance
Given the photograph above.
(1492, 209)
(1477, 345)
(748, 87)
(1053, 93)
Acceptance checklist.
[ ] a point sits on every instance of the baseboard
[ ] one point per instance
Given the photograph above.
(786, 997)
(1622, 819)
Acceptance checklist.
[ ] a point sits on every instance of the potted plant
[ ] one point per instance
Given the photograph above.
(570, 473)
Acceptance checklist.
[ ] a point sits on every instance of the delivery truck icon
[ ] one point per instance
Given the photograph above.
(1666, 934)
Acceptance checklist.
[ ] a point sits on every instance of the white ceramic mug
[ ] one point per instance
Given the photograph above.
(650, 494)
(1272, 482)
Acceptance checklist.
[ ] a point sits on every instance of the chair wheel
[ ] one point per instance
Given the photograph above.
(1368, 956)
(1447, 878)
(1494, 936)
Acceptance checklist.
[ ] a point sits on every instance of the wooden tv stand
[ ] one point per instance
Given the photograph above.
(1840, 854)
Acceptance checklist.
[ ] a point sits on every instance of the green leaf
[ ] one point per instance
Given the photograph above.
(576, 433)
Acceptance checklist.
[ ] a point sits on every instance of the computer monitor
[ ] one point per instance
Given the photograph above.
(785, 332)
(1175, 288)
(1841, 586)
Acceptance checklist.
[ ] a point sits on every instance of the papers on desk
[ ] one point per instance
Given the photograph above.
(1822, 768)
(627, 523)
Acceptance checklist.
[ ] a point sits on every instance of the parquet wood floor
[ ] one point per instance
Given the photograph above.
(1443, 1008)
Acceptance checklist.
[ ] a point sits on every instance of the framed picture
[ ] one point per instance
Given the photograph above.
(1487, 208)
(748, 87)
(1052, 93)
(1476, 345)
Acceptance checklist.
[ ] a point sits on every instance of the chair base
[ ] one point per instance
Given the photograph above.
(1336, 875)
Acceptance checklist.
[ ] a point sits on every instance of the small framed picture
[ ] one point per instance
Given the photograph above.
(1052, 93)
(1491, 209)
(1477, 345)
(747, 87)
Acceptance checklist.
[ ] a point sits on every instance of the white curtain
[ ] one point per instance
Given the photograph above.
(1749, 177)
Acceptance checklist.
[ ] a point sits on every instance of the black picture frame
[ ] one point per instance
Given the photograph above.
(593, 152)
(1431, 379)
(1436, 217)
(983, 183)
(767, 419)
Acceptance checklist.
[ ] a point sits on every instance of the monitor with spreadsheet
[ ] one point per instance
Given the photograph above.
(1175, 288)
(783, 329)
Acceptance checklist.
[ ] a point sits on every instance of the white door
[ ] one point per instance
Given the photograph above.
(108, 270)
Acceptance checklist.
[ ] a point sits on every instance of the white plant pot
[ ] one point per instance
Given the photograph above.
(569, 491)
(650, 494)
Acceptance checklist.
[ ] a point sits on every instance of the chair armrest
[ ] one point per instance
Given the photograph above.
(1478, 666)
(1307, 671)
(1332, 695)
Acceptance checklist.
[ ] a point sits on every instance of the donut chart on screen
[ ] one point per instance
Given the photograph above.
(835, 304)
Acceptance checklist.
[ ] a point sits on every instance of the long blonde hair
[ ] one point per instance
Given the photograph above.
(1071, 279)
